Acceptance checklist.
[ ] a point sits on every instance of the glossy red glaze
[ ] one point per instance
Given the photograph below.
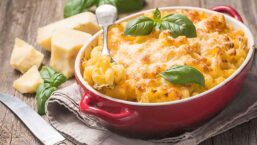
(160, 119)
(87, 103)
(228, 10)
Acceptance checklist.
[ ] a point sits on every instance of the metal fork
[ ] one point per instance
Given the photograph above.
(106, 15)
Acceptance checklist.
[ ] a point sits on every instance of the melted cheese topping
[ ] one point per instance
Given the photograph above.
(217, 51)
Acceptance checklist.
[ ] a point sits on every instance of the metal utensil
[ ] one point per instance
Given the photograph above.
(35, 123)
(106, 15)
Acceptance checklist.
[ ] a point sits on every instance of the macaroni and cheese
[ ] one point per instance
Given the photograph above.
(217, 51)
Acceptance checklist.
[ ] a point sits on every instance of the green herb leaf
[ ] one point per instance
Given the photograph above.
(73, 7)
(139, 26)
(111, 2)
(125, 5)
(178, 25)
(89, 3)
(51, 76)
(183, 75)
(58, 79)
(47, 73)
(44, 91)
(157, 14)
(52, 80)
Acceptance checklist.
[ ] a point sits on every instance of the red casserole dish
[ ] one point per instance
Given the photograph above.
(147, 120)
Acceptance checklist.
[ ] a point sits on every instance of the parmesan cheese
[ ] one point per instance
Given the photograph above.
(85, 22)
(24, 56)
(65, 45)
(29, 81)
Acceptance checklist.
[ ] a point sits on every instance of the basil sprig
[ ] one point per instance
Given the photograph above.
(125, 6)
(183, 75)
(44, 91)
(134, 27)
(52, 80)
(73, 7)
(177, 24)
(157, 14)
(52, 77)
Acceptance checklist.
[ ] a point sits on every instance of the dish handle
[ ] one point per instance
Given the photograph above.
(89, 105)
(228, 10)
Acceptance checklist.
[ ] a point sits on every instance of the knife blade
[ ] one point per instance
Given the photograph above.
(35, 123)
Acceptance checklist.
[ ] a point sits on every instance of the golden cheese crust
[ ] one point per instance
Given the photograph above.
(217, 51)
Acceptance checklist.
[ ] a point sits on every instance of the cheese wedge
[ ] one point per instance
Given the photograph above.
(29, 81)
(85, 22)
(24, 56)
(65, 45)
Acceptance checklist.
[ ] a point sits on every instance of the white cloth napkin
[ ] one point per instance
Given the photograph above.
(63, 113)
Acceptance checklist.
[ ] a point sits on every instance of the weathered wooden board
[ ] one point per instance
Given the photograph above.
(21, 18)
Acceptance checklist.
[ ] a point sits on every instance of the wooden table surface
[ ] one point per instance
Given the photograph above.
(21, 18)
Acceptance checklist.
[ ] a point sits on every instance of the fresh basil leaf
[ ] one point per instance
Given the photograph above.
(130, 5)
(73, 7)
(178, 25)
(157, 14)
(44, 91)
(58, 79)
(139, 26)
(52, 80)
(183, 75)
(52, 77)
(111, 2)
(125, 5)
(89, 3)
(47, 73)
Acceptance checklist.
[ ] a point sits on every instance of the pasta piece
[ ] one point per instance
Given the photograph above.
(100, 72)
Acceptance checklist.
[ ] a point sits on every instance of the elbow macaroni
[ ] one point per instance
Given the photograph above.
(217, 51)
(99, 71)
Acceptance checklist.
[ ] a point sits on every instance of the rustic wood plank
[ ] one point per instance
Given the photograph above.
(3, 111)
(14, 24)
(21, 18)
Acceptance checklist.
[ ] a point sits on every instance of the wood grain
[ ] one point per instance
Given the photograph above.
(21, 18)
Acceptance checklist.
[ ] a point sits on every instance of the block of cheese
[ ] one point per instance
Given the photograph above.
(24, 56)
(85, 22)
(65, 45)
(29, 81)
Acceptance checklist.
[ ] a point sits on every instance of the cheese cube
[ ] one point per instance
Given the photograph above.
(65, 45)
(29, 81)
(24, 56)
(85, 22)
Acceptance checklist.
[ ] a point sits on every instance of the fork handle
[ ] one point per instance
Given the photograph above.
(105, 50)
